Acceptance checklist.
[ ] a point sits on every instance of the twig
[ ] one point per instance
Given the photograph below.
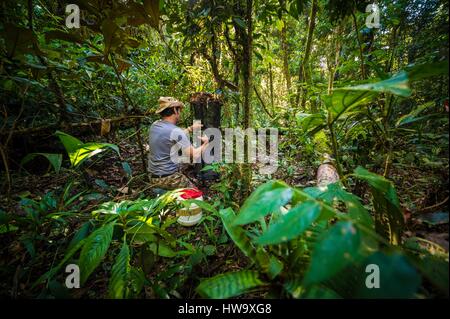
(435, 205)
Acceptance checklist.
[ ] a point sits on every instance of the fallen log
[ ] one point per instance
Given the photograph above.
(326, 173)
(99, 127)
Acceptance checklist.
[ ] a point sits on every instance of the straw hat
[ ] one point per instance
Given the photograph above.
(166, 102)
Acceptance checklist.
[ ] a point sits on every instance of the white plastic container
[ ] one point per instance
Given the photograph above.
(189, 216)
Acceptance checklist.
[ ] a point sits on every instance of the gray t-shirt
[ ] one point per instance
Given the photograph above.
(164, 135)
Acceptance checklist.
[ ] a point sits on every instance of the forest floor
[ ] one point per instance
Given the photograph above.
(421, 194)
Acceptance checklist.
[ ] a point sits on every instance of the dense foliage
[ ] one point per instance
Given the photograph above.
(374, 99)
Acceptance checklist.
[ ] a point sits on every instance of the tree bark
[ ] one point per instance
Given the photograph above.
(247, 50)
(285, 52)
(361, 55)
(272, 103)
(301, 72)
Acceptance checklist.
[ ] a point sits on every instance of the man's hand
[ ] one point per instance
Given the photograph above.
(204, 139)
(195, 126)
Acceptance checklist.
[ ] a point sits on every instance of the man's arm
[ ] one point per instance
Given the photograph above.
(195, 153)
(191, 128)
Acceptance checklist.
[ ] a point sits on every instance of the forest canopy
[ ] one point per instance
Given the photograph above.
(356, 91)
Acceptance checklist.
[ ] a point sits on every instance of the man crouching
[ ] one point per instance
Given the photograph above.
(164, 134)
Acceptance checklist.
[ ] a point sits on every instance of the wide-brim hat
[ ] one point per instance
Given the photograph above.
(166, 102)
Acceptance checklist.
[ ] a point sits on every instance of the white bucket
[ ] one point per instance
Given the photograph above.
(189, 216)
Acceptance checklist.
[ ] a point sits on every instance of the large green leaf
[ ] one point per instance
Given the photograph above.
(109, 29)
(337, 247)
(94, 250)
(237, 234)
(292, 224)
(126, 281)
(162, 249)
(257, 255)
(118, 284)
(397, 84)
(19, 40)
(151, 8)
(412, 116)
(71, 144)
(421, 71)
(88, 150)
(397, 277)
(310, 123)
(355, 209)
(389, 220)
(264, 200)
(54, 159)
(230, 284)
(54, 270)
(61, 35)
(346, 99)
(78, 151)
(202, 204)
(81, 234)
(436, 270)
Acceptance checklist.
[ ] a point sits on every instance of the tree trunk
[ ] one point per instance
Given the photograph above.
(285, 53)
(361, 56)
(247, 46)
(272, 103)
(301, 72)
(247, 42)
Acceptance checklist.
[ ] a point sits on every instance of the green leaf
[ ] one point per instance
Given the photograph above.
(397, 84)
(94, 250)
(237, 234)
(5, 228)
(336, 248)
(291, 225)
(241, 23)
(230, 284)
(389, 221)
(127, 168)
(346, 99)
(257, 255)
(109, 28)
(136, 280)
(163, 250)
(71, 144)
(356, 210)
(54, 159)
(78, 151)
(81, 234)
(264, 200)
(61, 35)
(209, 250)
(118, 285)
(88, 150)
(412, 116)
(98, 59)
(275, 267)
(425, 70)
(53, 271)
(200, 203)
(310, 122)
(398, 279)
(19, 40)
(279, 24)
(151, 8)
(436, 270)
